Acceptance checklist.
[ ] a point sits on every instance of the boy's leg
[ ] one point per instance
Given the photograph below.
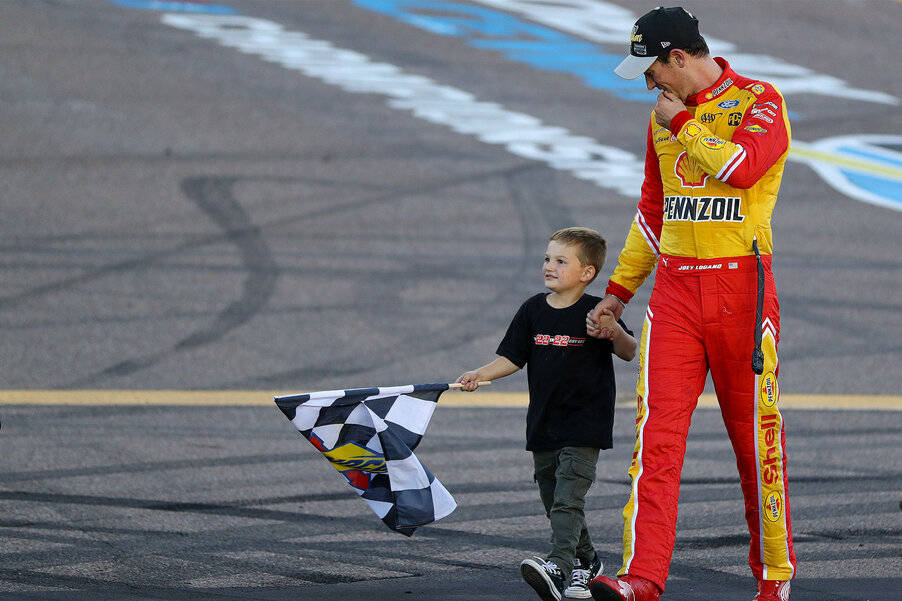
(545, 463)
(585, 551)
(545, 577)
(569, 535)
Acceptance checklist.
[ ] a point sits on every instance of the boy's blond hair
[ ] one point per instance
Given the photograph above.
(591, 248)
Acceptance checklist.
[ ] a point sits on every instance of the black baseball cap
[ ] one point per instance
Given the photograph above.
(656, 33)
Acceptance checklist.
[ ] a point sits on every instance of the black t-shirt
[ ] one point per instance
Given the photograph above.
(571, 374)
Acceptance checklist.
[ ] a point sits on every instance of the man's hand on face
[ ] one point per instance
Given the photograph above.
(668, 106)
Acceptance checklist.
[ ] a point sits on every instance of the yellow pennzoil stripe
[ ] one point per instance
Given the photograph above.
(771, 473)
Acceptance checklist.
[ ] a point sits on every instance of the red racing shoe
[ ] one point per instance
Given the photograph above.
(627, 588)
(772, 590)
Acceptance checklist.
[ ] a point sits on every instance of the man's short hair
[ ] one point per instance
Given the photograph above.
(591, 248)
(697, 48)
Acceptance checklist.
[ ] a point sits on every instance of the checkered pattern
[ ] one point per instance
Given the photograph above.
(369, 435)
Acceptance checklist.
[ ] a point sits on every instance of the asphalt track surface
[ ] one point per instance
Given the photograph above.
(155, 502)
(179, 215)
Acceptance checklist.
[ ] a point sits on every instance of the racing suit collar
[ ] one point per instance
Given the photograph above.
(717, 88)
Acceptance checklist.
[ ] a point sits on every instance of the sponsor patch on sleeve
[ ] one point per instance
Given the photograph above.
(663, 135)
(692, 130)
(712, 142)
(756, 129)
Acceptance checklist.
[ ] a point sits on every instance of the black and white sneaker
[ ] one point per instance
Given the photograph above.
(544, 577)
(582, 573)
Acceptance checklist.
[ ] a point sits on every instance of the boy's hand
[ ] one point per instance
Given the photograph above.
(470, 380)
(605, 326)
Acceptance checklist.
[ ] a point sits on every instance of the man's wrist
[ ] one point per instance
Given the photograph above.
(622, 293)
(678, 121)
(618, 299)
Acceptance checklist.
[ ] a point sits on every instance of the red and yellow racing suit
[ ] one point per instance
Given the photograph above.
(711, 182)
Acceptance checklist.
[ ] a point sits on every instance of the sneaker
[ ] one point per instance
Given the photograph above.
(772, 590)
(543, 576)
(627, 588)
(583, 572)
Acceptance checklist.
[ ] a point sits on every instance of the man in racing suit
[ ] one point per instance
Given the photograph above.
(716, 146)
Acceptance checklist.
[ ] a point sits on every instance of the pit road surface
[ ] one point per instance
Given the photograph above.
(180, 214)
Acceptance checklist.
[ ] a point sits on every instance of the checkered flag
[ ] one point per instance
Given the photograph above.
(369, 435)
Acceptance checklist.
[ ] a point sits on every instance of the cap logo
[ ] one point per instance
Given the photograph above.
(636, 37)
(639, 49)
(665, 44)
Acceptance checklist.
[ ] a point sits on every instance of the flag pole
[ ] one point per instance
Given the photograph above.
(457, 385)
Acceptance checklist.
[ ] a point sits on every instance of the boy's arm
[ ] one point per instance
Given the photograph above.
(624, 345)
(500, 367)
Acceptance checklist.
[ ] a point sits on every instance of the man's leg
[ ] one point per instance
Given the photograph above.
(749, 405)
(672, 370)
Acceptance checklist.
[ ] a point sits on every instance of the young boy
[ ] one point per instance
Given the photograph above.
(571, 401)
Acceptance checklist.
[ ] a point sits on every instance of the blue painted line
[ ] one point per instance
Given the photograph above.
(520, 41)
(888, 189)
(177, 7)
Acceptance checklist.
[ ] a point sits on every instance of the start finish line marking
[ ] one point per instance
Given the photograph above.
(520, 134)
(452, 398)
(872, 177)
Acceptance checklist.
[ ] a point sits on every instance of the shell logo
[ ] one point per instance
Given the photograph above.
(693, 129)
(773, 507)
(689, 174)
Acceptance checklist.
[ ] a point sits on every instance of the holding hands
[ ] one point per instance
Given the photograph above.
(601, 322)
(604, 325)
(604, 315)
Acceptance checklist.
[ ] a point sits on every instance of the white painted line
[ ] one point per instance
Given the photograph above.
(521, 134)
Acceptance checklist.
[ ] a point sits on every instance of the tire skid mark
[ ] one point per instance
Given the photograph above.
(535, 200)
(215, 197)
